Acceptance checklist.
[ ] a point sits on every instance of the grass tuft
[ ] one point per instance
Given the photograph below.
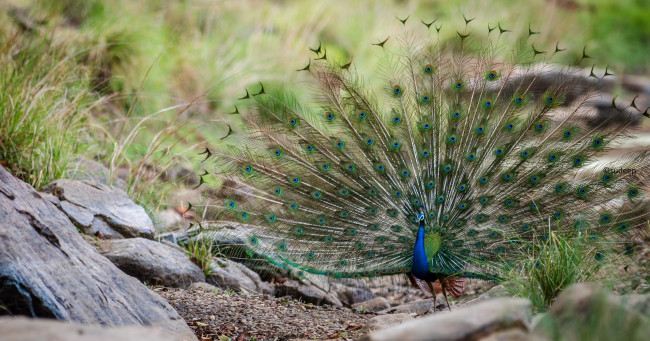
(552, 265)
(45, 100)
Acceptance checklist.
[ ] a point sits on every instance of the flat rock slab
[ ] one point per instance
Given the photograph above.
(26, 329)
(93, 171)
(374, 304)
(152, 262)
(387, 321)
(48, 270)
(96, 207)
(468, 323)
(308, 293)
(227, 274)
(418, 307)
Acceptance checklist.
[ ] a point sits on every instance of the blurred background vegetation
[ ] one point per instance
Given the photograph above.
(143, 86)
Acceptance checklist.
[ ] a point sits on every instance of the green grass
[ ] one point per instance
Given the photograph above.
(552, 265)
(45, 99)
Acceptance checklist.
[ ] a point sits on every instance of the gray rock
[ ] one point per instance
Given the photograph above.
(350, 293)
(93, 171)
(22, 329)
(418, 307)
(308, 293)
(179, 237)
(374, 305)
(494, 292)
(513, 335)
(99, 226)
(468, 323)
(85, 202)
(168, 219)
(388, 320)
(152, 262)
(227, 274)
(48, 270)
(203, 286)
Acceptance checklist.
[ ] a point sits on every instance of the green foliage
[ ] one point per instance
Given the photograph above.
(622, 32)
(202, 252)
(552, 265)
(601, 317)
(45, 99)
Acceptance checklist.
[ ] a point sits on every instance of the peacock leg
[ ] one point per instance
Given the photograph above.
(443, 284)
(433, 293)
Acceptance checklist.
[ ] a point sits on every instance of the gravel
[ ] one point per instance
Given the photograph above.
(226, 315)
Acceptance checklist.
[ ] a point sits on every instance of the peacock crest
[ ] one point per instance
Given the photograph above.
(474, 148)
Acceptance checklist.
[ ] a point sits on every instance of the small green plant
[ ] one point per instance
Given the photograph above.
(551, 265)
(202, 252)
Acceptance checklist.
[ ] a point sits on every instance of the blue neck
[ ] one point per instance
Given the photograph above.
(420, 261)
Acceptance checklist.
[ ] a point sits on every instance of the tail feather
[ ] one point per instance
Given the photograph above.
(490, 139)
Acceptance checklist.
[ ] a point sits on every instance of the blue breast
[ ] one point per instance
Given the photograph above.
(420, 261)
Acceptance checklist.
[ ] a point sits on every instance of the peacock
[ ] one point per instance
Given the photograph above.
(474, 149)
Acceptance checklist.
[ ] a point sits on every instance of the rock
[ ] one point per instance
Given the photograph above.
(48, 270)
(468, 323)
(152, 262)
(349, 293)
(308, 293)
(203, 286)
(494, 292)
(93, 171)
(418, 307)
(513, 335)
(87, 203)
(587, 312)
(168, 219)
(22, 328)
(374, 305)
(227, 274)
(388, 320)
(179, 237)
